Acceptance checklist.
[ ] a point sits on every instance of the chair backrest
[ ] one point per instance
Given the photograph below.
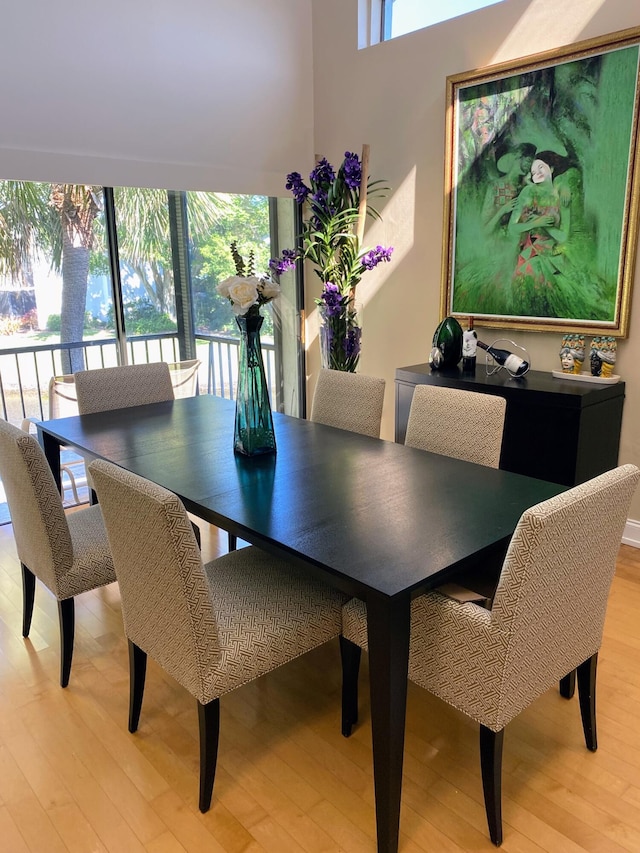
(39, 524)
(166, 600)
(348, 401)
(123, 387)
(462, 424)
(184, 377)
(63, 399)
(551, 599)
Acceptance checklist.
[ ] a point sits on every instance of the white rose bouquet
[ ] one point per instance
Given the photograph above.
(245, 290)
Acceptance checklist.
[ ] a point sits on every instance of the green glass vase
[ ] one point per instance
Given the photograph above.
(254, 434)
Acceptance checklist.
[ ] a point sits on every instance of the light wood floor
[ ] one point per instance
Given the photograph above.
(73, 779)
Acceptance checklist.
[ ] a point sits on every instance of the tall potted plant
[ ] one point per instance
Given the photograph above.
(335, 206)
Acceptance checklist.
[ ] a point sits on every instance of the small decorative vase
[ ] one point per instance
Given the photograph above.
(446, 347)
(254, 434)
(603, 356)
(340, 337)
(572, 353)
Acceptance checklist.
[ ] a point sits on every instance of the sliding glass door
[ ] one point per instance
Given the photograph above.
(91, 276)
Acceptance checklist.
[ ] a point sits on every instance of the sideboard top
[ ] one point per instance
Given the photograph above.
(537, 384)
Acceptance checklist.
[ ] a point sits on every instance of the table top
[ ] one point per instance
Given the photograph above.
(380, 518)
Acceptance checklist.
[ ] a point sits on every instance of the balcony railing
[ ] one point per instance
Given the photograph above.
(25, 371)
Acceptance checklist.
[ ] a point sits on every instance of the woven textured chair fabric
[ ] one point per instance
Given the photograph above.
(212, 628)
(69, 554)
(123, 387)
(462, 424)
(349, 401)
(547, 615)
(40, 526)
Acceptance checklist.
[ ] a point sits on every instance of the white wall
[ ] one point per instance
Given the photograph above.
(392, 96)
(196, 94)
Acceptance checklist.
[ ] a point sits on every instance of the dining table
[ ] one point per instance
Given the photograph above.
(373, 518)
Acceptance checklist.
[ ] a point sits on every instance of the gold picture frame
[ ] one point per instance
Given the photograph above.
(542, 171)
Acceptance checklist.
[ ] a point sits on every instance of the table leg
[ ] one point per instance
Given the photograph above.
(388, 630)
(51, 447)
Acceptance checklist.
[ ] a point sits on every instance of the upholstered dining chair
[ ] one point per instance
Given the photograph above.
(63, 403)
(546, 619)
(465, 425)
(123, 387)
(69, 554)
(212, 627)
(184, 377)
(350, 401)
(461, 424)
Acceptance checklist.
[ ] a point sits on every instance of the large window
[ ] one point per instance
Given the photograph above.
(92, 277)
(54, 271)
(404, 16)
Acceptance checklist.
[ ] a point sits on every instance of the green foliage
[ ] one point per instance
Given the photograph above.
(99, 261)
(91, 323)
(246, 222)
(29, 226)
(143, 318)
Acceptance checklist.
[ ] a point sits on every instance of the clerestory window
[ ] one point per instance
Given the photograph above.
(399, 17)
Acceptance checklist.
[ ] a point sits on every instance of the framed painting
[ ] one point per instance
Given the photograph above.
(542, 189)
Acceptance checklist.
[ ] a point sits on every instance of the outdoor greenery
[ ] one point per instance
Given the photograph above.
(63, 224)
(246, 222)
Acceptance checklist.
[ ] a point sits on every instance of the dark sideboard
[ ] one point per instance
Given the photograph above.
(561, 430)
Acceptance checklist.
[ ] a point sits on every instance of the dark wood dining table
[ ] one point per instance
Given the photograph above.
(375, 519)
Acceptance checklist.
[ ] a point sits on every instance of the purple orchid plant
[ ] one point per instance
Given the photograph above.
(330, 240)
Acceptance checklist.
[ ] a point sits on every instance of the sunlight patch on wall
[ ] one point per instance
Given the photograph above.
(397, 230)
(537, 21)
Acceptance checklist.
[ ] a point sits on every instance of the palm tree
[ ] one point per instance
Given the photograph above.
(73, 238)
(144, 242)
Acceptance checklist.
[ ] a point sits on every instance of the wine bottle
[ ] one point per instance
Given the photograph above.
(469, 344)
(513, 363)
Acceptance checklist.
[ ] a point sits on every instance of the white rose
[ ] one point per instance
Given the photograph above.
(223, 287)
(243, 293)
(269, 289)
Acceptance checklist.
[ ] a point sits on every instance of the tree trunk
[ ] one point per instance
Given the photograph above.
(77, 206)
(75, 273)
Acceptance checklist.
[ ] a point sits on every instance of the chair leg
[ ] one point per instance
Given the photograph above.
(196, 533)
(233, 542)
(491, 766)
(209, 724)
(350, 654)
(28, 597)
(67, 618)
(568, 685)
(137, 675)
(587, 697)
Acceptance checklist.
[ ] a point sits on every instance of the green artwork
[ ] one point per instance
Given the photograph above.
(542, 166)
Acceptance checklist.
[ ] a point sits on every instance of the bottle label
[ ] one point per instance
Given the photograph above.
(469, 343)
(512, 362)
